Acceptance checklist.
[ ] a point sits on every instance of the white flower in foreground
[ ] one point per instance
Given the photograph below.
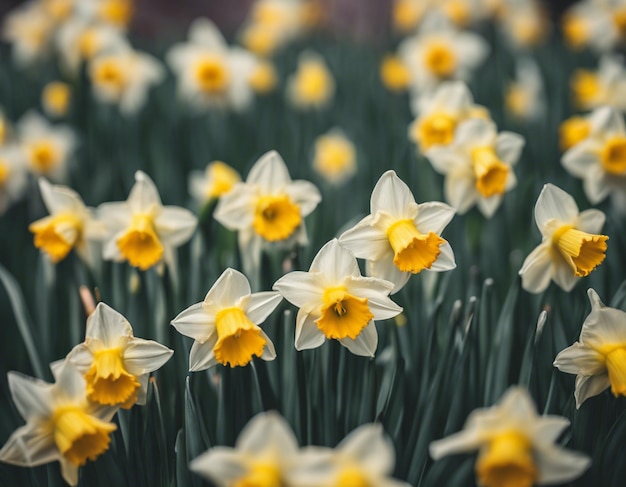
(115, 364)
(265, 453)
(569, 249)
(516, 446)
(217, 179)
(61, 424)
(400, 238)
(606, 86)
(70, 225)
(13, 175)
(48, 147)
(209, 72)
(336, 302)
(598, 358)
(269, 208)
(600, 159)
(143, 231)
(225, 326)
(124, 78)
(478, 165)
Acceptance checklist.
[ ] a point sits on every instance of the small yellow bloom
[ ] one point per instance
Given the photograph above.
(312, 85)
(407, 14)
(586, 87)
(215, 181)
(394, 74)
(56, 98)
(572, 131)
(260, 39)
(334, 157)
(116, 12)
(264, 78)
(575, 31)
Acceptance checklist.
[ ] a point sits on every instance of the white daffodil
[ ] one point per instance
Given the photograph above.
(600, 159)
(225, 326)
(516, 446)
(269, 208)
(336, 302)
(312, 85)
(606, 86)
(61, 424)
(334, 157)
(440, 52)
(70, 225)
(115, 364)
(265, 453)
(569, 249)
(365, 457)
(441, 112)
(524, 23)
(216, 180)
(524, 98)
(478, 165)
(209, 72)
(399, 237)
(599, 24)
(143, 231)
(29, 29)
(48, 147)
(124, 77)
(13, 175)
(598, 358)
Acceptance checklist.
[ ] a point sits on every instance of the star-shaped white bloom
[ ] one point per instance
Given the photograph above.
(225, 326)
(516, 446)
(399, 237)
(569, 249)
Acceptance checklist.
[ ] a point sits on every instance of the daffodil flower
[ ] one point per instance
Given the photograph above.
(312, 85)
(56, 99)
(524, 98)
(524, 24)
(265, 453)
(570, 247)
(115, 364)
(400, 238)
(269, 208)
(29, 29)
(61, 424)
(336, 302)
(478, 165)
(394, 74)
(593, 89)
(215, 181)
(116, 13)
(70, 225)
(334, 157)
(13, 174)
(225, 326)
(141, 230)
(598, 358)
(600, 159)
(516, 446)
(599, 25)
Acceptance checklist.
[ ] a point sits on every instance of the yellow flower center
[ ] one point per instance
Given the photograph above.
(140, 245)
(263, 79)
(572, 131)
(108, 381)
(79, 436)
(57, 235)
(394, 74)
(44, 155)
(110, 73)
(406, 14)
(261, 475)
(575, 31)
(276, 217)
(212, 74)
(56, 98)
(334, 157)
(117, 12)
(613, 155)
(238, 338)
(352, 477)
(616, 366)
(586, 87)
(440, 59)
(435, 129)
(413, 250)
(619, 19)
(582, 251)
(313, 83)
(491, 173)
(507, 461)
(516, 100)
(457, 11)
(5, 172)
(260, 39)
(222, 178)
(88, 43)
(343, 315)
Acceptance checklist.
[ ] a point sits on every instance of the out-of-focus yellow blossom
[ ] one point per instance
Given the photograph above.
(399, 237)
(261, 39)
(268, 208)
(13, 175)
(516, 446)
(55, 98)
(599, 24)
(29, 29)
(570, 247)
(572, 131)
(116, 365)
(70, 225)
(312, 85)
(394, 74)
(576, 29)
(336, 302)
(524, 98)
(141, 230)
(598, 358)
(263, 79)
(60, 10)
(61, 424)
(525, 23)
(48, 147)
(407, 14)
(225, 326)
(215, 181)
(4, 129)
(334, 157)
(600, 158)
(124, 78)
(116, 13)
(606, 86)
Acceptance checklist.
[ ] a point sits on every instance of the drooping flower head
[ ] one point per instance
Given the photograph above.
(570, 247)
(141, 230)
(516, 446)
(336, 302)
(400, 237)
(225, 326)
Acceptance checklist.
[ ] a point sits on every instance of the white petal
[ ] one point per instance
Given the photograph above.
(509, 147)
(366, 241)
(201, 355)
(607, 119)
(464, 441)
(517, 402)
(590, 385)
(80, 357)
(228, 289)
(69, 471)
(308, 335)
(143, 356)
(603, 327)
(144, 195)
(488, 206)
(365, 343)
(581, 158)
(391, 195)
(445, 260)
(557, 465)
(335, 262)
(554, 203)
(548, 429)
(270, 173)
(433, 217)
(370, 448)
(460, 192)
(107, 325)
(591, 221)
(261, 305)
(31, 396)
(235, 209)
(580, 359)
(267, 431)
(475, 132)
(472, 49)
(536, 272)
(269, 351)
(174, 225)
(71, 382)
(444, 159)
(204, 32)
(386, 270)
(305, 195)
(30, 445)
(563, 275)
(302, 289)
(376, 291)
(194, 322)
(60, 199)
(596, 185)
(220, 464)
